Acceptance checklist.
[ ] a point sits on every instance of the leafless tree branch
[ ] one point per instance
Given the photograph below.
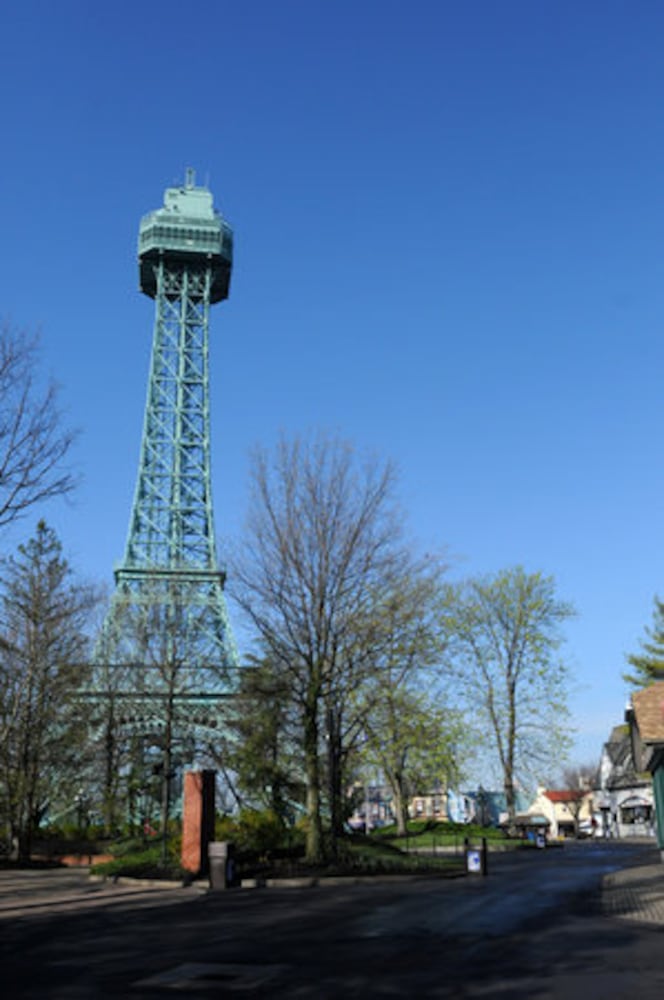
(33, 442)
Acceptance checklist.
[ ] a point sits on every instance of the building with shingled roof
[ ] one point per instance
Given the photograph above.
(623, 800)
(646, 721)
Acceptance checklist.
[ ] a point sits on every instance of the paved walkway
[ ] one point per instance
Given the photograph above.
(635, 894)
(43, 892)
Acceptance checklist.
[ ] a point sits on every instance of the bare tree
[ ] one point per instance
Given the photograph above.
(581, 776)
(33, 442)
(504, 635)
(323, 542)
(579, 781)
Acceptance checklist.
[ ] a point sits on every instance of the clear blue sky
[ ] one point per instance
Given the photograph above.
(448, 222)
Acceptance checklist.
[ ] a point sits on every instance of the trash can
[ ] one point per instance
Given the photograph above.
(221, 855)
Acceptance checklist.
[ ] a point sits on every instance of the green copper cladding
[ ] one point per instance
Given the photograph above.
(186, 228)
(168, 602)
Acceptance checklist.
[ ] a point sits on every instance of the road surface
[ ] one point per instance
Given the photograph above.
(534, 927)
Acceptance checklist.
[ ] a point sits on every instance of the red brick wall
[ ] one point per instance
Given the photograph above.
(197, 820)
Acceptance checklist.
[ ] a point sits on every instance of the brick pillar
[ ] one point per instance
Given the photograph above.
(197, 820)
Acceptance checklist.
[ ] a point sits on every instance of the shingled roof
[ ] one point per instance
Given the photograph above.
(649, 712)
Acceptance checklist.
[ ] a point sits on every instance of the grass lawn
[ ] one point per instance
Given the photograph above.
(429, 848)
(430, 835)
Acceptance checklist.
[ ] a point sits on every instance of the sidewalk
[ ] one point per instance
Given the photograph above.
(635, 894)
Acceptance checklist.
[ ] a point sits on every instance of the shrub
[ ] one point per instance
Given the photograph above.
(256, 831)
(141, 864)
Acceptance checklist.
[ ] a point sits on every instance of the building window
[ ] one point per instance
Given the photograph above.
(630, 815)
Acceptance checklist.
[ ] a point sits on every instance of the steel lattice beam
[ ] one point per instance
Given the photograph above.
(167, 634)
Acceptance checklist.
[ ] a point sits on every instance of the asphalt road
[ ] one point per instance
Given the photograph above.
(534, 927)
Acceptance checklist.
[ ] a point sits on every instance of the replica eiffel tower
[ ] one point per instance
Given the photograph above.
(166, 658)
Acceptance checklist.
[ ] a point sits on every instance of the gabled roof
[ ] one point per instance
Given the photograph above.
(618, 752)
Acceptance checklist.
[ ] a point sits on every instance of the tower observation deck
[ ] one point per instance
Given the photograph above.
(166, 654)
(187, 227)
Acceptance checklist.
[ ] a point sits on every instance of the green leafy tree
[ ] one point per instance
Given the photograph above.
(401, 641)
(43, 617)
(505, 632)
(415, 743)
(648, 665)
(410, 739)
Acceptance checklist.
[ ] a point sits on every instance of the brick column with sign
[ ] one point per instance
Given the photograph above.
(197, 820)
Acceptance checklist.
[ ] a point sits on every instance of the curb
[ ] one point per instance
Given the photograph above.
(147, 883)
(325, 881)
(293, 882)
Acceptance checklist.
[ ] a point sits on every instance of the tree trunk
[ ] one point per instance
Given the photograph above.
(510, 801)
(166, 782)
(165, 803)
(110, 773)
(400, 804)
(24, 841)
(402, 816)
(27, 821)
(335, 791)
(314, 839)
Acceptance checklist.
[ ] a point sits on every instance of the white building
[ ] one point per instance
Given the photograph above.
(623, 802)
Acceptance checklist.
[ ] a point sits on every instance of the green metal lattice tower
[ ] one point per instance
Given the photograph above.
(166, 639)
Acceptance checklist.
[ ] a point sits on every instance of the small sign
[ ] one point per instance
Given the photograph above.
(474, 861)
(540, 840)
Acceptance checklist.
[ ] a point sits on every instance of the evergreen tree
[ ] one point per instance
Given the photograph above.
(263, 754)
(42, 643)
(648, 665)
